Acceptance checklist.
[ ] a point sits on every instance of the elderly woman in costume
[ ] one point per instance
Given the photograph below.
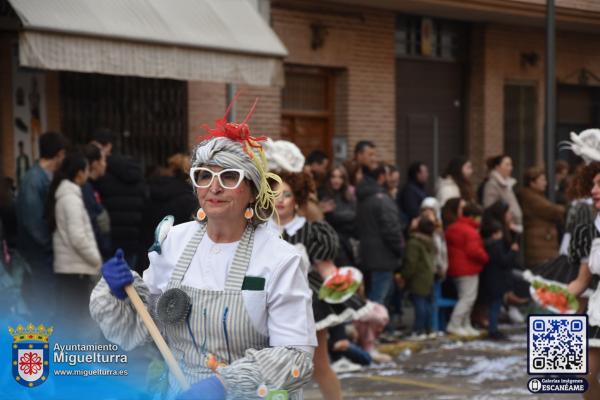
(247, 328)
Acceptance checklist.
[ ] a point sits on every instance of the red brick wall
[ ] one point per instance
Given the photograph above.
(475, 142)
(365, 50)
(504, 46)
(266, 120)
(207, 102)
(501, 46)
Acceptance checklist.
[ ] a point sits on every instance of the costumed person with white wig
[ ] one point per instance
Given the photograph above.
(584, 248)
(286, 156)
(230, 297)
(319, 241)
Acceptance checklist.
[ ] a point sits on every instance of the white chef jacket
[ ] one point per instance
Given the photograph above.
(282, 311)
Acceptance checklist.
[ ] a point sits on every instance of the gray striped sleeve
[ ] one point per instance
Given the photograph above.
(581, 243)
(117, 319)
(323, 242)
(277, 368)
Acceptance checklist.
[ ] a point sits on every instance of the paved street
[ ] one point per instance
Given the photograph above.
(446, 369)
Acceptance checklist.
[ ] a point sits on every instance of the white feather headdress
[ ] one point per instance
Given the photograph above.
(586, 145)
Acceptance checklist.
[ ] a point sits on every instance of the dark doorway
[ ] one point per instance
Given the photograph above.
(520, 134)
(429, 116)
(148, 115)
(429, 91)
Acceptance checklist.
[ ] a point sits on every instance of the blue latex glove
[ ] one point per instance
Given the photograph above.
(117, 274)
(207, 389)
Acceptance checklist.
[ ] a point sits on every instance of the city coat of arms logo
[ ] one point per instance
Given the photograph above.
(30, 349)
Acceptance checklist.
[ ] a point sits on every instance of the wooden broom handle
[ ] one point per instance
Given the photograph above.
(140, 307)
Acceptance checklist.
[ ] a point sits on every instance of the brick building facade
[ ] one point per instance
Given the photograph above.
(347, 50)
(496, 60)
(359, 46)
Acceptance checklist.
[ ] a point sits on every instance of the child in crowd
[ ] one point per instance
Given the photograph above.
(467, 256)
(495, 278)
(419, 268)
(431, 209)
(369, 327)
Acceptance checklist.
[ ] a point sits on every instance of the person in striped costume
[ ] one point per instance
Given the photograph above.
(319, 241)
(584, 247)
(246, 328)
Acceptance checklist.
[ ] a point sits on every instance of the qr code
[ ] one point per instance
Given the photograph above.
(557, 344)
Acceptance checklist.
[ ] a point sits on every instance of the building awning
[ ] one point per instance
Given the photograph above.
(207, 40)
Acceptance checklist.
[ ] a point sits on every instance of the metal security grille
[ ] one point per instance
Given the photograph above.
(148, 115)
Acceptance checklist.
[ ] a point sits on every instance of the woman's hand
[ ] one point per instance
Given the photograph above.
(211, 388)
(582, 281)
(414, 224)
(117, 274)
(325, 268)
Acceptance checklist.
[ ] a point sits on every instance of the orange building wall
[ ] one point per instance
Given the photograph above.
(365, 50)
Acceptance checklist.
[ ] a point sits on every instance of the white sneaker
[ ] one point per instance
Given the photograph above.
(345, 365)
(457, 331)
(515, 315)
(432, 335)
(378, 357)
(471, 331)
(417, 337)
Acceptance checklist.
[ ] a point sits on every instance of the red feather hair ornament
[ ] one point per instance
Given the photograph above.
(234, 131)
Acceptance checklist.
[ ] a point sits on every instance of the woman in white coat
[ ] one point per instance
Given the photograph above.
(500, 186)
(77, 259)
(455, 181)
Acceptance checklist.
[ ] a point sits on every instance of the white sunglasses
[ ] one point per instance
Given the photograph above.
(229, 178)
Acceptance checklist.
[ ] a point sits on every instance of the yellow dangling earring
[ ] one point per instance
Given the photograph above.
(249, 213)
(201, 215)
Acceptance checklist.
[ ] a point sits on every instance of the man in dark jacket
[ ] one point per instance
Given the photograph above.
(91, 198)
(169, 195)
(379, 232)
(412, 194)
(365, 154)
(123, 193)
(34, 240)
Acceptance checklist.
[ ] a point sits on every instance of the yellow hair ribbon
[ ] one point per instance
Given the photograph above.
(265, 199)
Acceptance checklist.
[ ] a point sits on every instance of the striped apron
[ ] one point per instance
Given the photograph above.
(218, 325)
